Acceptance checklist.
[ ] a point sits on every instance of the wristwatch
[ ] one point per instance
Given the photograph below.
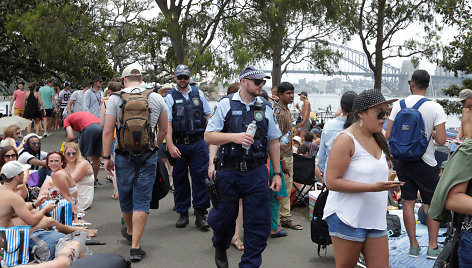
(106, 157)
(278, 173)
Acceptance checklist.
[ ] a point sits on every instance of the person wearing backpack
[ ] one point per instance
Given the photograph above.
(188, 115)
(137, 113)
(357, 179)
(415, 162)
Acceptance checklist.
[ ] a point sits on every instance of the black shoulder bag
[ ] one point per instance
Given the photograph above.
(448, 256)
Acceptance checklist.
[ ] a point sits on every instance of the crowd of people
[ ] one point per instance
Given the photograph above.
(247, 140)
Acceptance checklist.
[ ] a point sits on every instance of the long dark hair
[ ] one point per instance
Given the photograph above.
(381, 142)
(3, 151)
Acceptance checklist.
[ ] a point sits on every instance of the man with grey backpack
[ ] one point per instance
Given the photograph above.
(415, 122)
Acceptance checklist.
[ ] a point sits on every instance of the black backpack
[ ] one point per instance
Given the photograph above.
(319, 227)
(394, 226)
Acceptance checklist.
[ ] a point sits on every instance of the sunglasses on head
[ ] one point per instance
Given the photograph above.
(10, 156)
(183, 77)
(71, 153)
(382, 114)
(257, 82)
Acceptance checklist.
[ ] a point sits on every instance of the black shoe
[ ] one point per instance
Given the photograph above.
(182, 221)
(96, 182)
(221, 259)
(125, 234)
(136, 254)
(201, 220)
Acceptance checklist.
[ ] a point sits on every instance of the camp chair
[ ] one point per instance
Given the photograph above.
(303, 173)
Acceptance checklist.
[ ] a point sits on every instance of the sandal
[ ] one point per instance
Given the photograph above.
(237, 244)
(290, 224)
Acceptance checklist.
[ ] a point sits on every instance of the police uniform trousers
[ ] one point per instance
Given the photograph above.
(253, 187)
(194, 156)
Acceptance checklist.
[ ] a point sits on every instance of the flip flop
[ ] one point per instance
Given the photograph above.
(238, 244)
(290, 224)
(279, 233)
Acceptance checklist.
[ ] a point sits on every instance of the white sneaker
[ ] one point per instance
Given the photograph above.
(46, 134)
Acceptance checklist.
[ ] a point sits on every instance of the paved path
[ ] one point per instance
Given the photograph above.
(169, 247)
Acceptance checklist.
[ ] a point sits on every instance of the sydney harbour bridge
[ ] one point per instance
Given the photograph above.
(355, 63)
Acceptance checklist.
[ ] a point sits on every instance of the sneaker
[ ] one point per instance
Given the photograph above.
(414, 252)
(361, 262)
(124, 233)
(136, 254)
(46, 134)
(433, 253)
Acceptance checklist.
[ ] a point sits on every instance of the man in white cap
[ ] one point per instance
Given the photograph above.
(465, 97)
(135, 172)
(11, 203)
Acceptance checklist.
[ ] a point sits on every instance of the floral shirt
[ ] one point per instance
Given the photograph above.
(284, 120)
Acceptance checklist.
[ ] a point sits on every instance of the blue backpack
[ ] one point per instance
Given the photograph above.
(408, 139)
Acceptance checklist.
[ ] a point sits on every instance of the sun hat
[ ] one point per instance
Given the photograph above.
(465, 94)
(297, 139)
(252, 72)
(164, 87)
(368, 99)
(13, 168)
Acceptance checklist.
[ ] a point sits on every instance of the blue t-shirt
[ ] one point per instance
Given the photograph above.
(46, 93)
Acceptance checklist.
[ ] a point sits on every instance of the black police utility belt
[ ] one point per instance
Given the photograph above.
(187, 139)
(243, 165)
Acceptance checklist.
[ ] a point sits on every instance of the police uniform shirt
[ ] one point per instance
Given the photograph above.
(170, 102)
(222, 108)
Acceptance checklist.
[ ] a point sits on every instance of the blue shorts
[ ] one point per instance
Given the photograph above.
(135, 195)
(339, 229)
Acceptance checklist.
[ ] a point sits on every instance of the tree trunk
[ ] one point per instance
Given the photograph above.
(379, 45)
(277, 63)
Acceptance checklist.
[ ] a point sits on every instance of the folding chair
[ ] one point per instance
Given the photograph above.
(303, 173)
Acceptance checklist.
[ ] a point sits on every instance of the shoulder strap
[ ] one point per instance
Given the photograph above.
(420, 102)
(349, 134)
(402, 104)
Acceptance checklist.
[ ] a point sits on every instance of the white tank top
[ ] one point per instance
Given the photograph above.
(366, 210)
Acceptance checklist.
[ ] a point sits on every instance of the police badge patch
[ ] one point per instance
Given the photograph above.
(196, 101)
(258, 115)
(213, 111)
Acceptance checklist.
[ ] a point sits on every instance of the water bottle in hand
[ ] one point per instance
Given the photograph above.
(285, 138)
(251, 129)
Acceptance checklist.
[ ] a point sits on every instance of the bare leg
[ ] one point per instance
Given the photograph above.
(236, 240)
(95, 166)
(346, 253)
(410, 221)
(139, 221)
(433, 229)
(37, 123)
(28, 128)
(375, 252)
(128, 217)
(48, 222)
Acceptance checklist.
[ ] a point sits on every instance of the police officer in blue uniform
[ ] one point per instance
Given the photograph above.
(242, 172)
(188, 116)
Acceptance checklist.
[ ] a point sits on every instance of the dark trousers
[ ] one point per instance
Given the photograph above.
(195, 157)
(253, 187)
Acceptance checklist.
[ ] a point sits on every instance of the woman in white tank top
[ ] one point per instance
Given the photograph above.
(357, 177)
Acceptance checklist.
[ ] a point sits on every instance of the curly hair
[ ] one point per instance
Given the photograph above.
(63, 159)
(10, 131)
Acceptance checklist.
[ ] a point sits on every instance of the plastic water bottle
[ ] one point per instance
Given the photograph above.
(251, 129)
(285, 138)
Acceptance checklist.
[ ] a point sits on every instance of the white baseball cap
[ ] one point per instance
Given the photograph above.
(13, 168)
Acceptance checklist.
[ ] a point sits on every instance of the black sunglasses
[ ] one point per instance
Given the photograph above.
(10, 155)
(183, 77)
(36, 143)
(382, 114)
(257, 82)
(71, 153)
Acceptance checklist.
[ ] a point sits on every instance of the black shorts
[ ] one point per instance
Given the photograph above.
(91, 140)
(50, 113)
(417, 176)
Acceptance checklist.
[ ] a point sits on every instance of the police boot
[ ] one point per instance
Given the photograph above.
(221, 259)
(201, 220)
(182, 221)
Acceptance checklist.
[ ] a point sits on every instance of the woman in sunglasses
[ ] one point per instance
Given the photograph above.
(82, 172)
(357, 177)
(7, 154)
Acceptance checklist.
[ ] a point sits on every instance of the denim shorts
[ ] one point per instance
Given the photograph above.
(341, 230)
(135, 195)
(464, 252)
